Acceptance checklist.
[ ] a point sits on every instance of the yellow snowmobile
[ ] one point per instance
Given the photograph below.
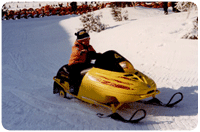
(111, 81)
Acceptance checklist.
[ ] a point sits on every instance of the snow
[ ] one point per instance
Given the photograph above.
(34, 49)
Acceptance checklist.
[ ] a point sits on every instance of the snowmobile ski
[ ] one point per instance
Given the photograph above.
(156, 101)
(118, 117)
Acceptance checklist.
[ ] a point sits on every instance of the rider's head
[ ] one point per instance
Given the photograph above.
(83, 37)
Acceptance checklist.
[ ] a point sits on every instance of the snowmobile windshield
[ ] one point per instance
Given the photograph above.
(113, 61)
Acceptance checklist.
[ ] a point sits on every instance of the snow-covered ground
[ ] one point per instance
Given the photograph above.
(34, 49)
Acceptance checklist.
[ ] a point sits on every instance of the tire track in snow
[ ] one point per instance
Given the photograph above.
(18, 67)
(52, 108)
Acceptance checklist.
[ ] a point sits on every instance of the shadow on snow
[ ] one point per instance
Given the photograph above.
(188, 106)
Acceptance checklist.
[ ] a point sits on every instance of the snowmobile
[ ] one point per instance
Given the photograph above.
(111, 81)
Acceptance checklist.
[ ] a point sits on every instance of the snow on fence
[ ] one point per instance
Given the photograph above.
(17, 10)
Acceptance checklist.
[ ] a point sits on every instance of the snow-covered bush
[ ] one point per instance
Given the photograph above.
(92, 22)
(125, 14)
(191, 8)
(186, 6)
(193, 32)
(118, 13)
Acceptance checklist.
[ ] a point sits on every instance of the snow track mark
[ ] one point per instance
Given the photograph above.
(18, 67)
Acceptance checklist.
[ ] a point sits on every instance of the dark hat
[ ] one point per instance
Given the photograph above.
(82, 34)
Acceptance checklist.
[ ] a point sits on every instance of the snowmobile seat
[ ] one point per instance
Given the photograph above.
(63, 73)
(83, 72)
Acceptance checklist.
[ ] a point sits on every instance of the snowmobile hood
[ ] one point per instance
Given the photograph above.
(127, 83)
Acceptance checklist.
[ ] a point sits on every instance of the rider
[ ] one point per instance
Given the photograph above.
(82, 52)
